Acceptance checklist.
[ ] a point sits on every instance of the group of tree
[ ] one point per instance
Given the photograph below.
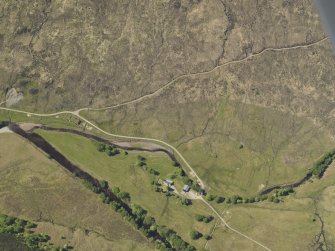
(184, 201)
(284, 191)
(216, 198)
(274, 197)
(23, 230)
(322, 164)
(109, 149)
(163, 237)
(204, 218)
(141, 161)
(193, 184)
(195, 235)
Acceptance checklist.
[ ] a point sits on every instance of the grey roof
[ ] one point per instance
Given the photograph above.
(186, 188)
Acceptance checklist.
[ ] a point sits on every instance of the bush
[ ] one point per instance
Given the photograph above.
(115, 190)
(180, 172)
(104, 184)
(276, 200)
(321, 165)
(102, 147)
(154, 172)
(187, 181)
(210, 197)
(91, 186)
(199, 217)
(207, 237)
(195, 235)
(124, 196)
(208, 219)
(186, 202)
(141, 158)
(219, 199)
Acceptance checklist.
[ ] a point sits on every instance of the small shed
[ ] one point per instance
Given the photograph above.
(168, 183)
(186, 188)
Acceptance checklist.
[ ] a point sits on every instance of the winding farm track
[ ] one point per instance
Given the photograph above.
(170, 147)
(76, 113)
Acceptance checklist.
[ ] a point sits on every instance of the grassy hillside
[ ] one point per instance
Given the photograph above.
(36, 188)
(73, 54)
(122, 171)
(239, 149)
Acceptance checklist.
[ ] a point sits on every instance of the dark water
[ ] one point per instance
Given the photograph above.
(10, 243)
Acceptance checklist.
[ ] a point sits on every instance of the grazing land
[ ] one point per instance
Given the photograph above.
(123, 171)
(240, 149)
(42, 188)
(242, 89)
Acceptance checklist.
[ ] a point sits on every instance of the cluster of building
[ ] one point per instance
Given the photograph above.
(169, 183)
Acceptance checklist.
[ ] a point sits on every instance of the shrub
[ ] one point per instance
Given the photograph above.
(199, 217)
(321, 165)
(102, 147)
(195, 235)
(141, 158)
(207, 237)
(154, 172)
(210, 197)
(208, 219)
(186, 202)
(180, 172)
(219, 199)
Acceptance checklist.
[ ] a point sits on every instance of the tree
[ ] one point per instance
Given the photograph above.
(176, 164)
(103, 184)
(141, 158)
(180, 172)
(124, 196)
(102, 147)
(210, 197)
(195, 235)
(154, 172)
(196, 187)
(186, 202)
(219, 199)
(157, 189)
(138, 211)
(187, 181)
(148, 220)
(199, 217)
(208, 219)
(207, 237)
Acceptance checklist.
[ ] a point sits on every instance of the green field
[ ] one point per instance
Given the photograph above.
(121, 171)
(63, 120)
(239, 150)
(38, 189)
